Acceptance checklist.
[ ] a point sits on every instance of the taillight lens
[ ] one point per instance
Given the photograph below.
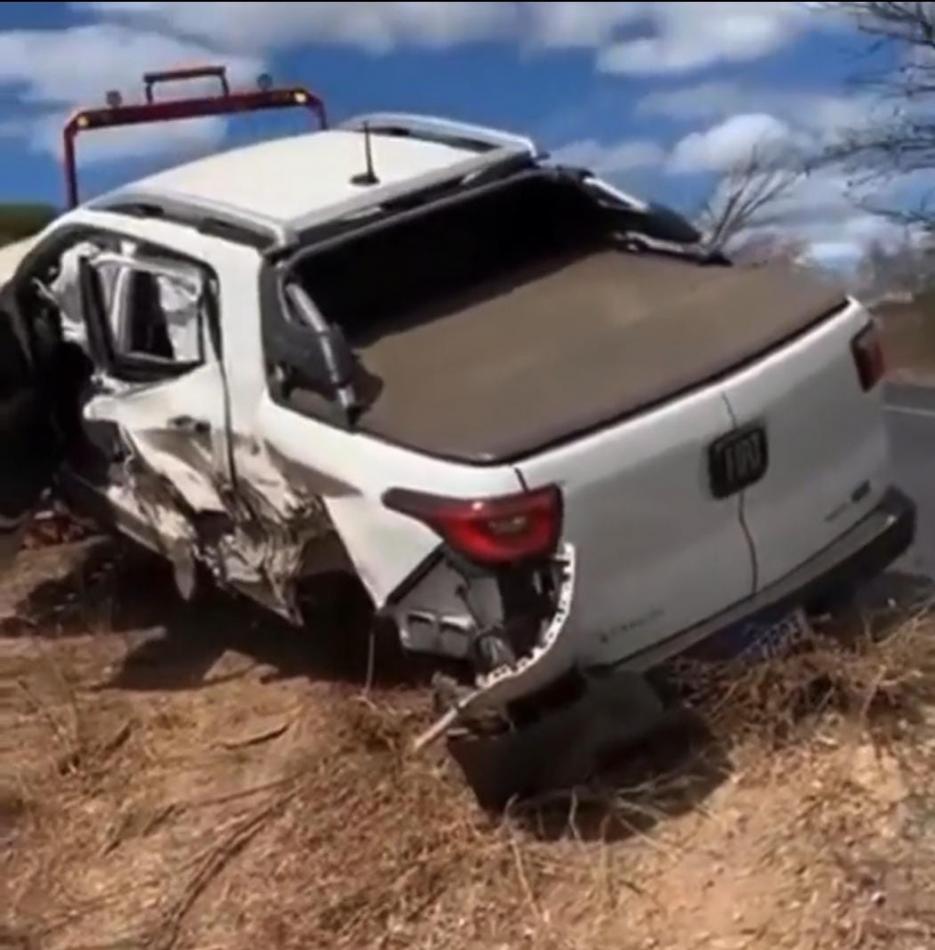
(868, 356)
(501, 530)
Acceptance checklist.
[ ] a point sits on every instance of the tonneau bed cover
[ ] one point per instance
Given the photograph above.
(520, 363)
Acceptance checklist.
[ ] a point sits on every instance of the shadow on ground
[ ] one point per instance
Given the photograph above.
(670, 772)
(115, 587)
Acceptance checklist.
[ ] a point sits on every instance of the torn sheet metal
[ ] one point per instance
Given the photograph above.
(274, 528)
(245, 548)
(383, 547)
(547, 661)
(151, 423)
(254, 539)
(444, 611)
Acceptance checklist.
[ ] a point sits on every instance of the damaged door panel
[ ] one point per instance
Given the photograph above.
(177, 451)
(156, 413)
(168, 474)
(156, 404)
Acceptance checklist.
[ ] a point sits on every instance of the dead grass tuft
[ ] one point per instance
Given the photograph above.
(862, 680)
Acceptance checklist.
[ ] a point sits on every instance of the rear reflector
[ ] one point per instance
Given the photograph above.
(868, 356)
(502, 530)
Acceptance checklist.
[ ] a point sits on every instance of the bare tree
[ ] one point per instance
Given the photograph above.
(744, 196)
(899, 138)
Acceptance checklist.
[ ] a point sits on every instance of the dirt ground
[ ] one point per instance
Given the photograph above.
(178, 776)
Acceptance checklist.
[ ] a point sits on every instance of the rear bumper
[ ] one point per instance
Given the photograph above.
(619, 706)
(859, 555)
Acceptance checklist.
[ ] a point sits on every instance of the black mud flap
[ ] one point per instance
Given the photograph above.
(564, 746)
(28, 445)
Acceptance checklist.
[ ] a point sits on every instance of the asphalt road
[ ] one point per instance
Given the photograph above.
(910, 413)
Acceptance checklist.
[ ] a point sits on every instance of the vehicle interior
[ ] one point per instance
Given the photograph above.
(93, 312)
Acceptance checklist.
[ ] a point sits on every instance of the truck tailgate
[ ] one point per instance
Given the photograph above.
(826, 444)
(669, 535)
(656, 551)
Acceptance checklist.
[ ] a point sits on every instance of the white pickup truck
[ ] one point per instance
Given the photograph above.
(546, 431)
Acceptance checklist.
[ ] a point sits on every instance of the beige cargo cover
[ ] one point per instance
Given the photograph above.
(519, 364)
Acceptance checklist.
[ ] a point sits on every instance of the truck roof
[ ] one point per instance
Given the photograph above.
(289, 180)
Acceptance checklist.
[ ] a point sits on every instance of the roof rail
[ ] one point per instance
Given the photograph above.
(434, 129)
(203, 215)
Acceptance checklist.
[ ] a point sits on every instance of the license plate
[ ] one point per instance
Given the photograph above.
(769, 640)
(738, 460)
(756, 639)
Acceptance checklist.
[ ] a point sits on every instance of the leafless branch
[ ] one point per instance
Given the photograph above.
(917, 217)
(902, 22)
(740, 198)
(902, 140)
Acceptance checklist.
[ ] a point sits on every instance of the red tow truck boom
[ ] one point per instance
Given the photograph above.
(116, 114)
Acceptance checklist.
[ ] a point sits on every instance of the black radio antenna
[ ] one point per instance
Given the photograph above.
(369, 175)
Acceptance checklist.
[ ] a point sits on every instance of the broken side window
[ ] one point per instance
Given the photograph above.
(162, 320)
(154, 314)
(65, 288)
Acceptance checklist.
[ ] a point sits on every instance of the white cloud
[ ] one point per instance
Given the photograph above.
(833, 254)
(52, 70)
(78, 65)
(635, 37)
(375, 26)
(706, 100)
(689, 36)
(732, 142)
(611, 159)
(812, 109)
(575, 24)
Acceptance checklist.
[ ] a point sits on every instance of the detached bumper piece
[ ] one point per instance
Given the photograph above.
(564, 746)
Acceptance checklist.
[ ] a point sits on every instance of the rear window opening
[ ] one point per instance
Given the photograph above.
(452, 256)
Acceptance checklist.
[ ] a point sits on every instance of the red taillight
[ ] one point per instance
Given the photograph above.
(489, 530)
(868, 356)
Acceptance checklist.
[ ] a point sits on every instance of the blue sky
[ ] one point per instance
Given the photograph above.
(661, 97)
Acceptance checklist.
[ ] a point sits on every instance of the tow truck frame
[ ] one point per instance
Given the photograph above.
(116, 114)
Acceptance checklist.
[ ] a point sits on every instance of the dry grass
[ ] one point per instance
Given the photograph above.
(236, 808)
(909, 338)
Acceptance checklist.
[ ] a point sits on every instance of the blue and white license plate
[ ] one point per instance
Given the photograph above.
(759, 638)
(766, 641)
